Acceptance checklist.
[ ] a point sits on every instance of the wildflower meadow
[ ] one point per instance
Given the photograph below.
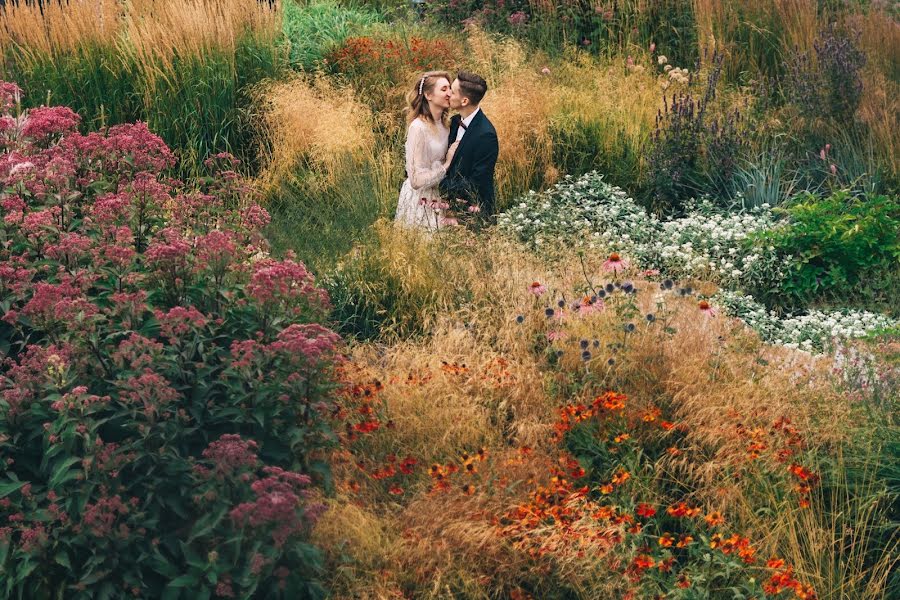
(668, 368)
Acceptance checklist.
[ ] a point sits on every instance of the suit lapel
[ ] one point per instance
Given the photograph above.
(471, 132)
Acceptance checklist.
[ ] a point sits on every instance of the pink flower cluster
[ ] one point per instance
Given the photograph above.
(230, 453)
(310, 342)
(179, 321)
(100, 517)
(278, 505)
(284, 282)
(48, 121)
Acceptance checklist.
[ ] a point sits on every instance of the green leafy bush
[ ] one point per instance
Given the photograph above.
(837, 242)
(164, 396)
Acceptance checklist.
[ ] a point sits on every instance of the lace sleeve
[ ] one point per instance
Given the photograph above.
(422, 172)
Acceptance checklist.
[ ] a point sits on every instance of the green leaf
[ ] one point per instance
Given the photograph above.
(9, 487)
(62, 473)
(62, 558)
(183, 581)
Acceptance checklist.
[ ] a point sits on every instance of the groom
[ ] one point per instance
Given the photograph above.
(471, 172)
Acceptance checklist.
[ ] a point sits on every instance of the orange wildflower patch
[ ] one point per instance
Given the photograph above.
(610, 401)
(454, 368)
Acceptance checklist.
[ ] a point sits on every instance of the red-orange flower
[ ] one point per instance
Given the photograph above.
(395, 490)
(407, 465)
(645, 510)
(714, 518)
(620, 477)
(666, 540)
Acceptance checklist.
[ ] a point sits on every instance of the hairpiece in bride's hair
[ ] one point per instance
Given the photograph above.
(421, 83)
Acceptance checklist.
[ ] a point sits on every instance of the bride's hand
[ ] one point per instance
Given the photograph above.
(451, 151)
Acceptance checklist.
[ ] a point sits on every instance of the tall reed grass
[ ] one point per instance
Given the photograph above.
(180, 66)
(326, 175)
(756, 35)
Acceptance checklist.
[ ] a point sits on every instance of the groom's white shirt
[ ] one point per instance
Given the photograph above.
(467, 121)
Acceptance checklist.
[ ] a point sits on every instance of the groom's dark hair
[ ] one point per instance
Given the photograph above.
(472, 86)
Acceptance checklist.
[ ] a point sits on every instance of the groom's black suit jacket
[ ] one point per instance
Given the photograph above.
(471, 172)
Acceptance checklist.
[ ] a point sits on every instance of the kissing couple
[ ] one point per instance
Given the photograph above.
(449, 162)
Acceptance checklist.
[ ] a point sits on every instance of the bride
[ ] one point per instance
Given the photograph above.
(427, 153)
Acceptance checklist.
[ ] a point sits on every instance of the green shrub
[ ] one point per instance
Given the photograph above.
(837, 242)
(165, 391)
(315, 28)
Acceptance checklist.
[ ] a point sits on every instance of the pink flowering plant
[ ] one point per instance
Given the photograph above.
(165, 385)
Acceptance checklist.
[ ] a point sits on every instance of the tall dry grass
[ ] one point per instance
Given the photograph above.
(755, 35)
(180, 66)
(326, 174)
(712, 374)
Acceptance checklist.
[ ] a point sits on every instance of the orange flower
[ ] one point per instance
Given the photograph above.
(621, 477)
(651, 415)
(470, 468)
(395, 490)
(606, 488)
(715, 541)
(714, 518)
(666, 565)
(468, 489)
(642, 562)
(673, 451)
(604, 512)
(645, 510)
(684, 540)
(610, 401)
(682, 510)
(666, 425)
(621, 438)
(482, 454)
(682, 582)
(775, 563)
(804, 503)
(666, 540)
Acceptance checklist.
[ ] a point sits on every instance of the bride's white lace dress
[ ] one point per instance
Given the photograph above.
(426, 149)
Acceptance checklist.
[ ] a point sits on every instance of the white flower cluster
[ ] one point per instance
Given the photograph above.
(584, 213)
(814, 332)
(589, 213)
(717, 246)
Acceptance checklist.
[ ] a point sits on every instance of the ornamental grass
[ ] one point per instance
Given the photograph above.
(179, 66)
(495, 461)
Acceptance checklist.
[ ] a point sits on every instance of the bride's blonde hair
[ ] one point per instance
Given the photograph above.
(416, 104)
